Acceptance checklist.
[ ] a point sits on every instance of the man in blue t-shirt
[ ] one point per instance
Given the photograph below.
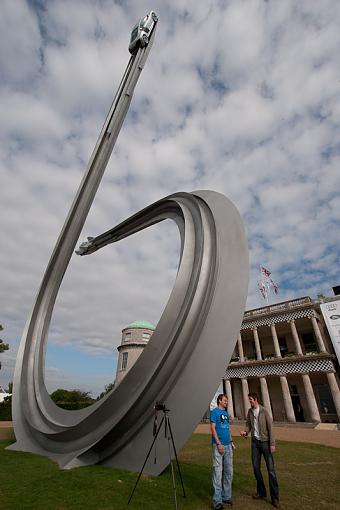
(222, 454)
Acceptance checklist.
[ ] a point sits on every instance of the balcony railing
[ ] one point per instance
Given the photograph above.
(279, 307)
(271, 358)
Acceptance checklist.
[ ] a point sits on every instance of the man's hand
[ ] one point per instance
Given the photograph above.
(243, 433)
(273, 449)
(220, 449)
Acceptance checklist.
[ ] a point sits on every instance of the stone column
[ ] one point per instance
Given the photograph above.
(275, 341)
(240, 347)
(313, 406)
(265, 396)
(287, 401)
(295, 337)
(230, 399)
(245, 391)
(318, 335)
(333, 384)
(257, 344)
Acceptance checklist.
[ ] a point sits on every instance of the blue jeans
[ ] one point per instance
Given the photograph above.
(259, 448)
(222, 474)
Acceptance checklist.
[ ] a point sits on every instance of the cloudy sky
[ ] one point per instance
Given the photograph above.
(237, 96)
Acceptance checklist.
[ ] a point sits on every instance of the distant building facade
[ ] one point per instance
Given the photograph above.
(134, 339)
(285, 354)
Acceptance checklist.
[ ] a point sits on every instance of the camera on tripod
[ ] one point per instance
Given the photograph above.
(161, 407)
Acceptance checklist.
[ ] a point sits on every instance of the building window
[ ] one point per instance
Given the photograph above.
(298, 410)
(127, 337)
(283, 346)
(309, 342)
(325, 399)
(124, 360)
(146, 336)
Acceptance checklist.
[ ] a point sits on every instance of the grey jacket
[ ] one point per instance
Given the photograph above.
(265, 425)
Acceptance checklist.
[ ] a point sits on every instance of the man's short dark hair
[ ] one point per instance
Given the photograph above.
(253, 395)
(219, 398)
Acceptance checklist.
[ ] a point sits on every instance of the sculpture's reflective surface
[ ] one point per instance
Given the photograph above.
(183, 362)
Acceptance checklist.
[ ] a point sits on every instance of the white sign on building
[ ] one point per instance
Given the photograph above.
(331, 314)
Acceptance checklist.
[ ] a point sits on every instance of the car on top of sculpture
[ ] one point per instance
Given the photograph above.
(83, 248)
(141, 31)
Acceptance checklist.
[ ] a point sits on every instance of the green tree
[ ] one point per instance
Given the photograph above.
(72, 399)
(61, 395)
(108, 388)
(3, 347)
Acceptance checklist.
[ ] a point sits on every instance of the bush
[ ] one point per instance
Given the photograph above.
(72, 399)
(6, 409)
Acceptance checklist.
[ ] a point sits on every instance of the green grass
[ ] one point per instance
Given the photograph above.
(308, 477)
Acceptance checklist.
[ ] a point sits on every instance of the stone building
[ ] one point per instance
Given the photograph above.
(285, 354)
(134, 338)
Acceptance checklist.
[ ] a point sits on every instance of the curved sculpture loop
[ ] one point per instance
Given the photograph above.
(185, 358)
(182, 363)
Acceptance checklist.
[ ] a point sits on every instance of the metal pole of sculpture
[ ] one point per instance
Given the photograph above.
(183, 362)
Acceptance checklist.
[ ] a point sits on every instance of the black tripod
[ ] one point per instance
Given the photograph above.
(168, 436)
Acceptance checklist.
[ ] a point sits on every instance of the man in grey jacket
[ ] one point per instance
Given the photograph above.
(259, 423)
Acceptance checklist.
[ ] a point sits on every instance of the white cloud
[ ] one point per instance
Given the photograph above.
(19, 51)
(239, 97)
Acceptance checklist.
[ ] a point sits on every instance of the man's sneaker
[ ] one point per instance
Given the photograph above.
(276, 503)
(258, 496)
(219, 506)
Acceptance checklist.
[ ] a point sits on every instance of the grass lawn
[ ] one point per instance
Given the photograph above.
(308, 477)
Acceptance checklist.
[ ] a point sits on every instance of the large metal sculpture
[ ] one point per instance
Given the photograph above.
(183, 362)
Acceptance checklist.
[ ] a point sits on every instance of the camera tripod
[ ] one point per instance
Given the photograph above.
(169, 436)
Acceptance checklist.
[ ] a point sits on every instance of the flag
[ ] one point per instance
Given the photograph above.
(263, 289)
(275, 286)
(265, 272)
(266, 283)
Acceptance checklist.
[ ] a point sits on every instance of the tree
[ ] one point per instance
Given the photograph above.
(3, 347)
(72, 399)
(61, 395)
(108, 388)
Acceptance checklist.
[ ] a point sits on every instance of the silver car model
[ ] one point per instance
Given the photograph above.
(141, 32)
(84, 246)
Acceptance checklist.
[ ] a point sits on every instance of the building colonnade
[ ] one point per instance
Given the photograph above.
(313, 410)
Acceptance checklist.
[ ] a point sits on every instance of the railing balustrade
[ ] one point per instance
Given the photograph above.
(279, 307)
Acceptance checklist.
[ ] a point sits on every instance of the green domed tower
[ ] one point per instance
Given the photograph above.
(134, 338)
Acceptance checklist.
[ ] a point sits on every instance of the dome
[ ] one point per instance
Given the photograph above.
(141, 325)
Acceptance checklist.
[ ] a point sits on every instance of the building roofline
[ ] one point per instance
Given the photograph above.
(277, 308)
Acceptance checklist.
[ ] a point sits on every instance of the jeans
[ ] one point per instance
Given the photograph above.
(259, 448)
(222, 474)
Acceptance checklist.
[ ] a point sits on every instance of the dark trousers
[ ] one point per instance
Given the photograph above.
(259, 448)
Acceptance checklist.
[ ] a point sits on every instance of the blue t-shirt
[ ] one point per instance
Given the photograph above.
(221, 419)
